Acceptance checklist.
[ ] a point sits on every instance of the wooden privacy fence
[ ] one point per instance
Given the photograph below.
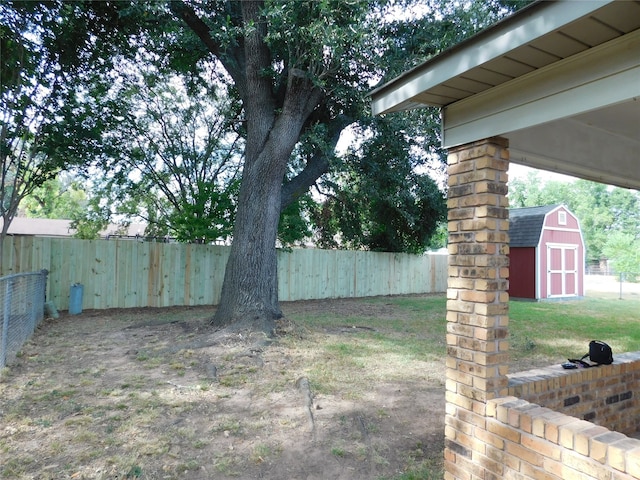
(126, 273)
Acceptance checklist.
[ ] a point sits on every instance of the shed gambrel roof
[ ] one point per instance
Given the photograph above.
(525, 225)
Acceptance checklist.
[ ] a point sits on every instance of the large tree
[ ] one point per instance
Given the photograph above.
(288, 62)
(176, 158)
(302, 71)
(387, 192)
(384, 196)
(62, 197)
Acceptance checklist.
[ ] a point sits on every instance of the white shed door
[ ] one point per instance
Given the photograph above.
(562, 270)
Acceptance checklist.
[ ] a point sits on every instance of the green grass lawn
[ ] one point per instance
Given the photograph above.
(558, 330)
(540, 333)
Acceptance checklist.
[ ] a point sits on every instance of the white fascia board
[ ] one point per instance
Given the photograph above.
(575, 142)
(488, 45)
(596, 78)
(539, 272)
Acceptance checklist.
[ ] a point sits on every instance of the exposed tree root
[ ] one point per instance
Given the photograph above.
(305, 388)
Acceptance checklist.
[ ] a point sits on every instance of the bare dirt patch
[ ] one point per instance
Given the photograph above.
(151, 394)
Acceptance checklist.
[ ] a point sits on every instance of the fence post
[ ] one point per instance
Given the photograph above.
(42, 291)
(621, 278)
(5, 323)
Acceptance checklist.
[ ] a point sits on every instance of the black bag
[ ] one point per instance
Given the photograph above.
(599, 353)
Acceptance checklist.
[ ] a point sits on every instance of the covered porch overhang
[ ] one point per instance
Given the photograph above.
(559, 80)
(556, 86)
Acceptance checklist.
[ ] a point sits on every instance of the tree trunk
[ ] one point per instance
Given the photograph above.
(249, 297)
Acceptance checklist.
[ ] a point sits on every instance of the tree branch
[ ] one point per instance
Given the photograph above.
(260, 106)
(316, 166)
(231, 58)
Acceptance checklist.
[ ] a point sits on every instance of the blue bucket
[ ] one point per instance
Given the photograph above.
(75, 299)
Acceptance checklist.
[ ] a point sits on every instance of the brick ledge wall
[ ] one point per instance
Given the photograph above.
(608, 395)
(530, 441)
(543, 434)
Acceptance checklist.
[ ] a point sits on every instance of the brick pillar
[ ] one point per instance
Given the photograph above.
(477, 301)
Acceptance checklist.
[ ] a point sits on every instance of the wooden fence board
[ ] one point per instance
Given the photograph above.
(58, 275)
(126, 273)
(96, 269)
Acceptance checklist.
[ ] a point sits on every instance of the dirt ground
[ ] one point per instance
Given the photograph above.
(145, 394)
(151, 394)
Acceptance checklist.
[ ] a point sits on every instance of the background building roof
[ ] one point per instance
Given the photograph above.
(46, 227)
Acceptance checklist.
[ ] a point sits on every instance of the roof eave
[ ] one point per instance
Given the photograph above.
(527, 24)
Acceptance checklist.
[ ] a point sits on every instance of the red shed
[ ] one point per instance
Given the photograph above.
(546, 253)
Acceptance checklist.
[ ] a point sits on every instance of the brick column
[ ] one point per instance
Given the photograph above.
(477, 300)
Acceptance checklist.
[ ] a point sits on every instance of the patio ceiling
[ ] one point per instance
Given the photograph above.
(560, 80)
